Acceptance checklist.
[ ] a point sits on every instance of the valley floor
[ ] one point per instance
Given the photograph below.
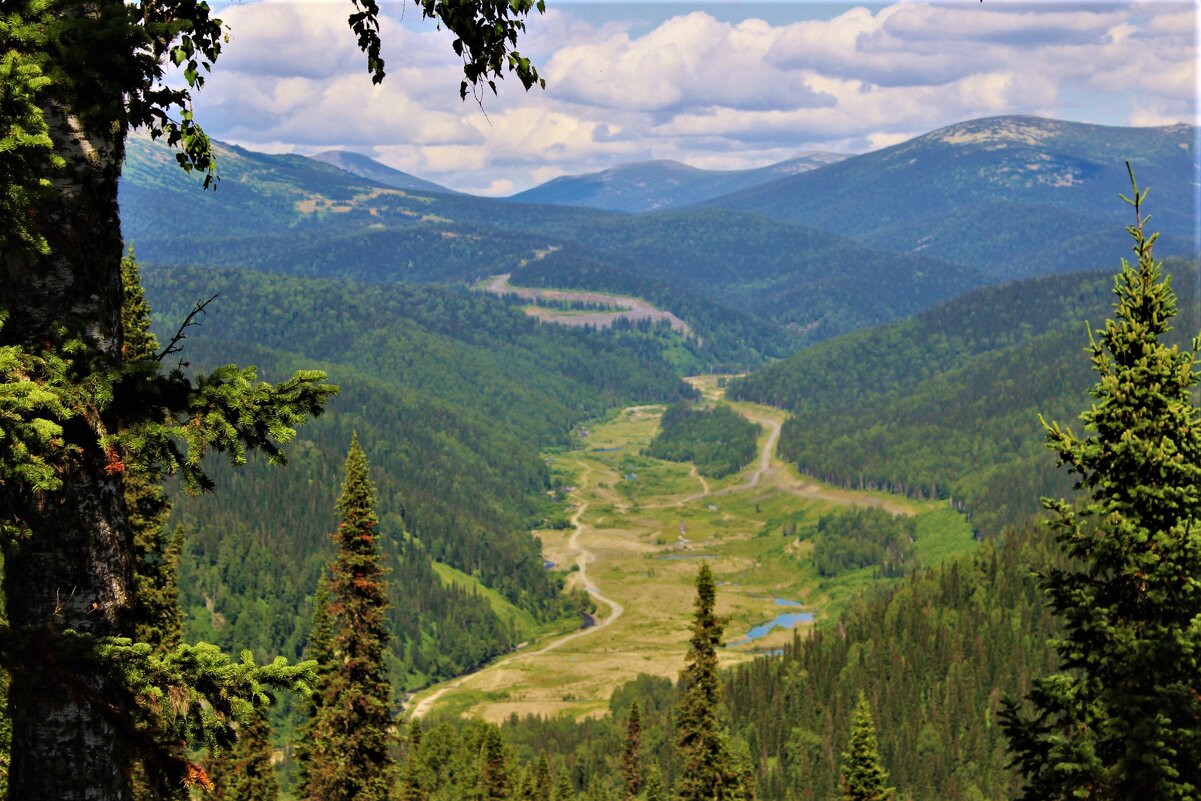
(641, 526)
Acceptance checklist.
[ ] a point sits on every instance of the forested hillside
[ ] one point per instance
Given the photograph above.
(818, 283)
(946, 404)
(663, 184)
(452, 394)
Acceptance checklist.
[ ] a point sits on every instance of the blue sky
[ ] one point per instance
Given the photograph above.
(724, 85)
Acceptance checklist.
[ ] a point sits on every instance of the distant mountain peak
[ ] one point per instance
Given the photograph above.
(367, 167)
(1026, 130)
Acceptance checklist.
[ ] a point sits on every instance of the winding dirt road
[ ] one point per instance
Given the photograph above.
(583, 557)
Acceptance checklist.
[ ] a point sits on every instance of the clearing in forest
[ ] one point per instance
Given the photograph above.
(572, 306)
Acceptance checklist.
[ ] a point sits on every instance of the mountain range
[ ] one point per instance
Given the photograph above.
(860, 241)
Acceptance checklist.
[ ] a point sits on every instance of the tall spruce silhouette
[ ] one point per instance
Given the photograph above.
(707, 769)
(349, 755)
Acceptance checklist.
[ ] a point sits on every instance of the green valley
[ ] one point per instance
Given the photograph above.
(640, 528)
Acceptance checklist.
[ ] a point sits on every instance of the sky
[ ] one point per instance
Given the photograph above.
(719, 85)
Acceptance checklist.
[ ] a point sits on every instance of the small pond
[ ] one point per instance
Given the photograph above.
(784, 620)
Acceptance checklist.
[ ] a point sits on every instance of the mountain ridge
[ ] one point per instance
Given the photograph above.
(661, 184)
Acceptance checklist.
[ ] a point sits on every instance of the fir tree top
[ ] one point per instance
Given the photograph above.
(863, 774)
(356, 503)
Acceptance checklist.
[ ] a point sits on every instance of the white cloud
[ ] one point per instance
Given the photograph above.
(693, 88)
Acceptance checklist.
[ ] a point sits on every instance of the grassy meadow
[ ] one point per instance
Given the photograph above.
(642, 527)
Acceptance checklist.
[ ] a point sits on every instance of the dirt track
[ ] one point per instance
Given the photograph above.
(629, 308)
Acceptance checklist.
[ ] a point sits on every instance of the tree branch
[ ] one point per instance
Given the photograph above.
(173, 346)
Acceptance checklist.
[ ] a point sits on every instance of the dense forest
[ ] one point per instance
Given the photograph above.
(864, 537)
(946, 404)
(716, 439)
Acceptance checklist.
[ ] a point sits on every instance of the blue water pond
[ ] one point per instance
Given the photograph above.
(784, 620)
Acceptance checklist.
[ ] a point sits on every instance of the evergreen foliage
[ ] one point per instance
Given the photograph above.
(414, 778)
(494, 782)
(631, 754)
(320, 651)
(75, 78)
(707, 770)
(960, 637)
(156, 551)
(477, 389)
(246, 772)
(1121, 720)
(718, 440)
(564, 790)
(863, 536)
(654, 785)
(863, 776)
(350, 758)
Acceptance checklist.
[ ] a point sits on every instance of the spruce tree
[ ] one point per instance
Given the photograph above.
(318, 649)
(631, 754)
(156, 616)
(245, 773)
(707, 771)
(349, 756)
(862, 775)
(414, 778)
(542, 782)
(494, 782)
(654, 785)
(564, 789)
(1121, 721)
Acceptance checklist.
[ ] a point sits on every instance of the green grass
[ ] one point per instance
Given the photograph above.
(942, 534)
(519, 618)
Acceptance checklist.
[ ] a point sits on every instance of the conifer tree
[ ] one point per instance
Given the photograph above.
(564, 789)
(862, 775)
(75, 78)
(319, 649)
(1121, 721)
(494, 782)
(349, 756)
(156, 615)
(597, 791)
(707, 771)
(245, 773)
(654, 784)
(414, 783)
(542, 783)
(631, 756)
